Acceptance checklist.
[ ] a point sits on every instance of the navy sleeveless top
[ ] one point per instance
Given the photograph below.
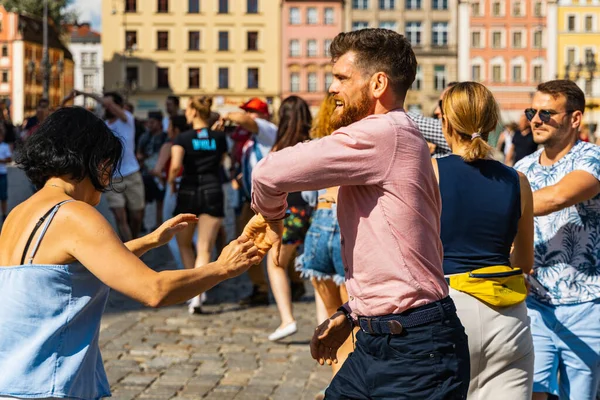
(481, 208)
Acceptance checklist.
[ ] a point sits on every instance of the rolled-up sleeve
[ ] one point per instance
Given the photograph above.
(359, 154)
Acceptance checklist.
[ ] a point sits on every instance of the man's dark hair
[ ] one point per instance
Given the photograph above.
(74, 142)
(43, 102)
(379, 50)
(180, 122)
(174, 99)
(569, 89)
(116, 97)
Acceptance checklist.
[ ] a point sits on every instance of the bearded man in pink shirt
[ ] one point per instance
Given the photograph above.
(411, 344)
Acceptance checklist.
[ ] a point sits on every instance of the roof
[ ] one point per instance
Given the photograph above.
(82, 33)
(32, 30)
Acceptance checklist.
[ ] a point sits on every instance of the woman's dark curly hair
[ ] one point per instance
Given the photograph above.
(73, 142)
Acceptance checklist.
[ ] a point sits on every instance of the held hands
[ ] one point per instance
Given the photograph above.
(328, 338)
(266, 235)
(238, 256)
(219, 126)
(164, 233)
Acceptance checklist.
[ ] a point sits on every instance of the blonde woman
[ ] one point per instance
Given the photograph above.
(487, 208)
(199, 152)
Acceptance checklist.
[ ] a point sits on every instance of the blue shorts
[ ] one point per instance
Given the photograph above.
(322, 257)
(566, 340)
(3, 187)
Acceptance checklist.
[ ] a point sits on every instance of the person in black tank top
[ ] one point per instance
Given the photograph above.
(487, 208)
(199, 152)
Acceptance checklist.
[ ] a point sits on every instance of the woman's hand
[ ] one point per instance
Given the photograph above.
(266, 235)
(238, 256)
(164, 233)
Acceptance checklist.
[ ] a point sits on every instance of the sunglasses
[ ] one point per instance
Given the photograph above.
(545, 115)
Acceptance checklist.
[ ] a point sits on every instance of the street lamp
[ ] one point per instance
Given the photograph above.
(590, 67)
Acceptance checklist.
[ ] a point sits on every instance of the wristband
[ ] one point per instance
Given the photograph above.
(347, 315)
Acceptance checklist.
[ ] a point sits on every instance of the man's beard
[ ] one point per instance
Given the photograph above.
(353, 112)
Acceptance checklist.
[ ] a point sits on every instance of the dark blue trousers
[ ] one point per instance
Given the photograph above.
(429, 362)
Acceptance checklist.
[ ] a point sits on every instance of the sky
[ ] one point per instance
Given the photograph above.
(89, 11)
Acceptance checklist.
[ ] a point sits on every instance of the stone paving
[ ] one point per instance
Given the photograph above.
(223, 354)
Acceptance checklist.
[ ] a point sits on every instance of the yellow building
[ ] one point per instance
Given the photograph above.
(578, 47)
(229, 49)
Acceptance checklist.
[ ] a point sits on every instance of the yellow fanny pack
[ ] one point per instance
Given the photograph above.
(499, 286)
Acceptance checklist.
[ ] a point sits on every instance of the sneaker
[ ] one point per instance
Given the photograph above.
(298, 290)
(257, 298)
(195, 306)
(286, 331)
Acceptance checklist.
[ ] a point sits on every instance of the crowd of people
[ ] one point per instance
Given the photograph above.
(439, 271)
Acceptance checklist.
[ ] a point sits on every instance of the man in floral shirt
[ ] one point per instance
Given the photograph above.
(564, 304)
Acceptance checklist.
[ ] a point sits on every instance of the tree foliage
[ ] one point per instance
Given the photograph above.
(57, 10)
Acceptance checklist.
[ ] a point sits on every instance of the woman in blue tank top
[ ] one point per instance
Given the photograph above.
(487, 209)
(59, 257)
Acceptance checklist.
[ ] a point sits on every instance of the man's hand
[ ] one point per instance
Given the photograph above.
(164, 233)
(328, 338)
(219, 126)
(266, 235)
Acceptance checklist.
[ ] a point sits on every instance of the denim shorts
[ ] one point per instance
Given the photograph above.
(566, 340)
(3, 187)
(322, 257)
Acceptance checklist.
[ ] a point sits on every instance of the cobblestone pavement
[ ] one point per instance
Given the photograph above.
(223, 354)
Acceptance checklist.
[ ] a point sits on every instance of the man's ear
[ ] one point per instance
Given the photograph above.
(379, 84)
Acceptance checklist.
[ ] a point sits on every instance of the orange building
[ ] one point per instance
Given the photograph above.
(21, 72)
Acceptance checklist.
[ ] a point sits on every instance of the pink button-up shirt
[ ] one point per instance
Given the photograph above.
(389, 208)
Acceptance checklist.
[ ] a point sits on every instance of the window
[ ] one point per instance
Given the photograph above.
(312, 16)
(223, 78)
(294, 48)
(496, 9)
(571, 23)
(163, 6)
(223, 6)
(4, 76)
(496, 40)
(440, 4)
(130, 6)
(387, 4)
(588, 87)
(516, 8)
(88, 81)
(413, 32)
(589, 56)
(476, 40)
(537, 73)
(570, 56)
(517, 40)
(475, 9)
(131, 76)
(358, 25)
(162, 40)
(294, 82)
(294, 16)
(329, 16)
(223, 41)
(497, 73)
(413, 4)
(194, 78)
(194, 40)
(252, 78)
(311, 48)
(130, 40)
(312, 82)
(589, 23)
(326, 46)
(360, 4)
(4, 50)
(193, 6)
(93, 59)
(537, 39)
(162, 77)
(391, 25)
(476, 73)
(85, 59)
(517, 73)
(537, 9)
(328, 80)
(252, 7)
(418, 82)
(439, 76)
(252, 41)
(440, 34)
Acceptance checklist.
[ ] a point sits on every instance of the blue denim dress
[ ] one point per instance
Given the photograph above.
(49, 327)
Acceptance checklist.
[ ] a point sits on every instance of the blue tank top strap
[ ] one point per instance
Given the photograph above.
(48, 218)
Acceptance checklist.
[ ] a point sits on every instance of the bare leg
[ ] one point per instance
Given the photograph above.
(186, 247)
(135, 222)
(159, 212)
(321, 309)
(539, 396)
(122, 225)
(279, 283)
(4, 207)
(208, 229)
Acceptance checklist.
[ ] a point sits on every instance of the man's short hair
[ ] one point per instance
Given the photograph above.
(157, 115)
(569, 89)
(380, 50)
(174, 99)
(116, 97)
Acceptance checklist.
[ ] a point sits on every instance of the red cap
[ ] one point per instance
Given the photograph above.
(255, 105)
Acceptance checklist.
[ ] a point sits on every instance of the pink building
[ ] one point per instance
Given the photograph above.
(308, 27)
(504, 47)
